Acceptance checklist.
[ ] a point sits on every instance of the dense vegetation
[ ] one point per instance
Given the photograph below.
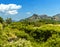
(42, 33)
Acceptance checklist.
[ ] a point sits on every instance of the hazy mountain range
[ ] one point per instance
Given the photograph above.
(36, 17)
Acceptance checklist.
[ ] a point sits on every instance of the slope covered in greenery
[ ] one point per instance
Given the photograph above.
(18, 34)
(42, 33)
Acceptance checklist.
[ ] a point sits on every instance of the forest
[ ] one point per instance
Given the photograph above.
(24, 33)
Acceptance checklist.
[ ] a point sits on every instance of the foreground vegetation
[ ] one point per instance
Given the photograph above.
(29, 34)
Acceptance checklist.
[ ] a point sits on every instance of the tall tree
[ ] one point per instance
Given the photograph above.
(8, 20)
(1, 20)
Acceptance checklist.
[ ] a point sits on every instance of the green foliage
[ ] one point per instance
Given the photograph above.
(30, 34)
(1, 20)
(18, 43)
(8, 20)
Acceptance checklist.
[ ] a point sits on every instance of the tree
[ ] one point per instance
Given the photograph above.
(8, 20)
(1, 20)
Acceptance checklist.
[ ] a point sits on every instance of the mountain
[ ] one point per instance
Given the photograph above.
(56, 17)
(36, 17)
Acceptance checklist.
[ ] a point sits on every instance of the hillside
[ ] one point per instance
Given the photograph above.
(57, 17)
(36, 17)
(35, 31)
(21, 35)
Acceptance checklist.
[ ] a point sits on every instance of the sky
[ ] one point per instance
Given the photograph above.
(20, 9)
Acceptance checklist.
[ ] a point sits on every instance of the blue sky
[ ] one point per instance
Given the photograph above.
(29, 7)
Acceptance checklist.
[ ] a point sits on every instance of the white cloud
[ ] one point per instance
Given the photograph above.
(12, 12)
(28, 13)
(9, 8)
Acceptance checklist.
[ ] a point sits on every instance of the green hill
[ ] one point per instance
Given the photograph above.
(35, 31)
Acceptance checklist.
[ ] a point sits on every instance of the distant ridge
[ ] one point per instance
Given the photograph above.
(36, 17)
